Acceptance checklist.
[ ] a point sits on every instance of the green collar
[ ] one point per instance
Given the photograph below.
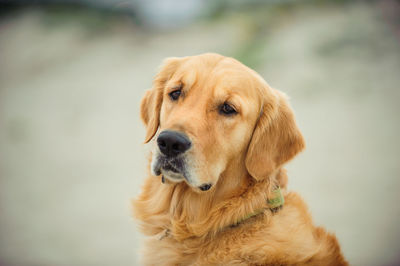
(277, 200)
(274, 204)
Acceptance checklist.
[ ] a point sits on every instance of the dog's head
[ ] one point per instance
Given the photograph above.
(212, 113)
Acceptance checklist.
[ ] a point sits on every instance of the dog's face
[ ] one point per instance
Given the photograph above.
(211, 112)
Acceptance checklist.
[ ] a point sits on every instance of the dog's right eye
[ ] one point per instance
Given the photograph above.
(175, 95)
(227, 109)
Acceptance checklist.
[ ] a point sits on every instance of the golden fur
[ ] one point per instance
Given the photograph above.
(242, 156)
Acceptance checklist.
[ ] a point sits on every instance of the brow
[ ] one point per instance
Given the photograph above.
(178, 87)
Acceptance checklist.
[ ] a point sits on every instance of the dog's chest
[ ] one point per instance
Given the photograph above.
(166, 251)
(222, 250)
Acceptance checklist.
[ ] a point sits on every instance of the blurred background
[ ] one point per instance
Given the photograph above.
(72, 73)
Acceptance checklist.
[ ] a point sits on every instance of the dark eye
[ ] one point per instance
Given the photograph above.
(175, 95)
(226, 109)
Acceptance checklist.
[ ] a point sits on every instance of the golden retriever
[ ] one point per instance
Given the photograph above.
(216, 192)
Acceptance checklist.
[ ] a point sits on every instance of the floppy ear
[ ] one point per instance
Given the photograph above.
(151, 103)
(276, 138)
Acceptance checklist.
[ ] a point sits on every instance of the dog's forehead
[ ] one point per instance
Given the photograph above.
(235, 81)
(217, 75)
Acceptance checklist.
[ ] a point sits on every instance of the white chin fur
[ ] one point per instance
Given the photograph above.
(174, 177)
(153, 164)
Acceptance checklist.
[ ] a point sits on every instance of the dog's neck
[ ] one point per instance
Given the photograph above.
(236, 195)
(233, 182)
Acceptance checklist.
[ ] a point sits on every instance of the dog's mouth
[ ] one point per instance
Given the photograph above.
(175, 169)
(172, 168)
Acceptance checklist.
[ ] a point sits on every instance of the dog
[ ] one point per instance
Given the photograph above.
(216, 191)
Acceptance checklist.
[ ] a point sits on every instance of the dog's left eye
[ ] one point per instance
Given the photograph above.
(175, 95)
(227, 109)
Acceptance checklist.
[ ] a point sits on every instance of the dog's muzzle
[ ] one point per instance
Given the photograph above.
(170, 160)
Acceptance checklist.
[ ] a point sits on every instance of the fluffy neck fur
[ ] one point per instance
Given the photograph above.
(186, 213)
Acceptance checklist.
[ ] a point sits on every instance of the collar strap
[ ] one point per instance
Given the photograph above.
(277, 200)
(274, 204)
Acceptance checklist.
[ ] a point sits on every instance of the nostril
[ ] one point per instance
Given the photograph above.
(205, 187)
(161, 143)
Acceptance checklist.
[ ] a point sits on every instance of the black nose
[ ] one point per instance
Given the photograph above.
(172, 143)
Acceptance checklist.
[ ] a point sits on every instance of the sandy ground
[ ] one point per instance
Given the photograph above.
(71, 153)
